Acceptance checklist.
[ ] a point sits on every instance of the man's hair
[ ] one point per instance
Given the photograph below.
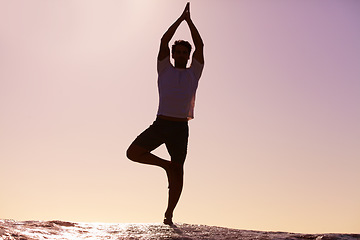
(183, 43)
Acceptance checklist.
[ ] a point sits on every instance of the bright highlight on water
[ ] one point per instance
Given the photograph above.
(54, 230)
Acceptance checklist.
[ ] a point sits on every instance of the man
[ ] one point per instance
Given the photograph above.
(177, 87)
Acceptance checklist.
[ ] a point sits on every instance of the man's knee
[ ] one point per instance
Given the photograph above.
(131, 153)
(134, 152)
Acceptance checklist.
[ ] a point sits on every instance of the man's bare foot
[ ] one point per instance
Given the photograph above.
(168, 221)
(168, 218)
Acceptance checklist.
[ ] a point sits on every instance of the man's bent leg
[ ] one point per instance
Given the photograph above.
(140, 149)
(141, 155)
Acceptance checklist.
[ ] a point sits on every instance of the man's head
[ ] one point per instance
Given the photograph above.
(181, 53)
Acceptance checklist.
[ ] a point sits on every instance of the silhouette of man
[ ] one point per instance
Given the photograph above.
(177, 87)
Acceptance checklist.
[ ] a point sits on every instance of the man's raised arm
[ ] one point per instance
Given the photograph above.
(164, 44)
(199, 44)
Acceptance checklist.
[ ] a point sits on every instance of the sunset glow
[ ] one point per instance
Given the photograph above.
(274, 144)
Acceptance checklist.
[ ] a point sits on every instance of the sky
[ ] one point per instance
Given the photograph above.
(274, 144)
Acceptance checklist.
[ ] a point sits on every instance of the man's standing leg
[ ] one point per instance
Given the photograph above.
(176, 179)
(177, 148)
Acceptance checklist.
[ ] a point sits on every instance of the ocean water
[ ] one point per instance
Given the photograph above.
(31, 230)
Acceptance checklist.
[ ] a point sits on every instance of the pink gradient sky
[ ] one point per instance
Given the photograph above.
(275, 140)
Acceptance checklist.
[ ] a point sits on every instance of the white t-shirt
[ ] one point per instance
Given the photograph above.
(177, 88)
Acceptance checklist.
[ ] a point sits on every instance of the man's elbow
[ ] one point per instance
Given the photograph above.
(164, 40)
(199, 45)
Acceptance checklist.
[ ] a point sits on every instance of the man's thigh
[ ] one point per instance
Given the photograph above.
(176, 144)
(150, 138)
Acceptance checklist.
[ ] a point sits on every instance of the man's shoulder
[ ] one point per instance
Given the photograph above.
(163, 64)
(197, 68)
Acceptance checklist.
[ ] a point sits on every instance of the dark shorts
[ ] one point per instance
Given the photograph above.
(174, 134)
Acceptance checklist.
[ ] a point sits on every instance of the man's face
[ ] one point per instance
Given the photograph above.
(181, 54)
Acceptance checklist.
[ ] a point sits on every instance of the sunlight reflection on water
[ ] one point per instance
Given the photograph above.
(54, 230)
